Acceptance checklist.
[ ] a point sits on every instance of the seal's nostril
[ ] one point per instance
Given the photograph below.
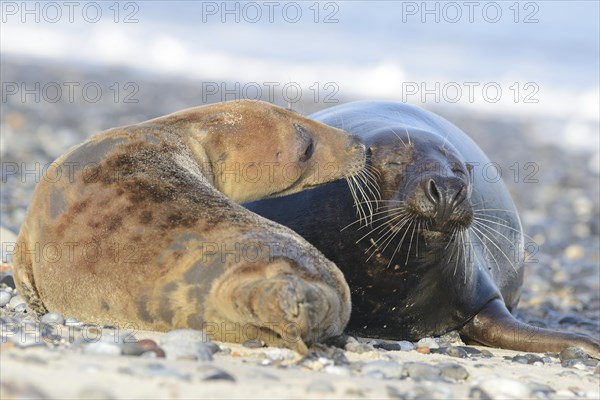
(461, 195)
(432, 192)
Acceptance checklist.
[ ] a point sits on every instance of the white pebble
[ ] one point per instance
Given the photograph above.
(428, 342)
(104, 348)
(187, 344)
(502, 388)
(52, 318)
(4, 298)
(15, 301)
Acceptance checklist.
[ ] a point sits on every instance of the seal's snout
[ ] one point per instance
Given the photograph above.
(357, 151)
(442, 200)
(450, 192)
(354, 145)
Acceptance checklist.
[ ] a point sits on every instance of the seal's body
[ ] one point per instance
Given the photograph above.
(139, 227)
(436, 246)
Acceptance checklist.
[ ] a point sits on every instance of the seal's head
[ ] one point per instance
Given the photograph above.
(254, 149)
(424, 184)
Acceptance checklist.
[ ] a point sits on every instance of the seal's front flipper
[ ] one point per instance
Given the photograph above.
(495, 326)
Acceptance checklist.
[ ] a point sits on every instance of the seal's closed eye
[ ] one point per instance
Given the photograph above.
(308, 152)
(307, 141)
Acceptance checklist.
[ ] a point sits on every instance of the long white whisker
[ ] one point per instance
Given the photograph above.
(497, 247)
(382, 226)
(400, 243)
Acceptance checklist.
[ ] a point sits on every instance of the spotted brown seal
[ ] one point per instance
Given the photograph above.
(139, 227)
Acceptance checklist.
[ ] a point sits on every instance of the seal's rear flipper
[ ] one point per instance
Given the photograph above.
(495, 326)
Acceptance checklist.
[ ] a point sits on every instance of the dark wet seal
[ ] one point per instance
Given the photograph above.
(435, 246)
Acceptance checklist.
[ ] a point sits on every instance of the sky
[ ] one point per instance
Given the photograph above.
(520, 59)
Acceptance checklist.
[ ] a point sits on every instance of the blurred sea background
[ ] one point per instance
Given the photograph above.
(521, 77)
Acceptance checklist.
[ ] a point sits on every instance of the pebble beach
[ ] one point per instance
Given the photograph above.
(555, 188)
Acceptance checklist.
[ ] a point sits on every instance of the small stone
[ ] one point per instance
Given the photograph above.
(186, 344)
(472, 351)
(456, 352)
(452, 338)
(20, 308)
(15, 301)
(547, 360)
(428, 342)
(52, 318)
(311, 363)
(389, 345)
(147, 344)
(382, 370)
(454, 371)
(158, 352)
(485, 353)
(320, 387)
(4, 298)
(533, 359)
(500, 388)
(104, 348)
(405, 345)
(577, 364)
(8, 280)
(572, 353)
(133, 349)
(423, 350)
(357, 347)
(421, 370)
(520, 359)
(254, 344)
(331, 353)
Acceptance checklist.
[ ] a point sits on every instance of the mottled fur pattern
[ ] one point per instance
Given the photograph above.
(140, 231)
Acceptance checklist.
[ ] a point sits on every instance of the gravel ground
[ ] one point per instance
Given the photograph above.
(560, 212)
